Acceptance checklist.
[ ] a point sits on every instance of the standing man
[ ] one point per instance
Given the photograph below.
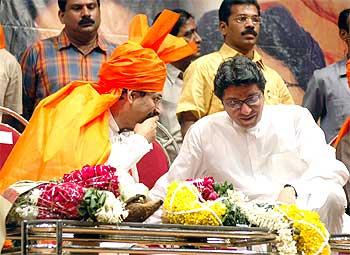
(328, 93)
(186, 28)
(239, 25)
(10, 79)
(75, 54)
(268, 152)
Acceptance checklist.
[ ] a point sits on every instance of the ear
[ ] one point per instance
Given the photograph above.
(223, 28)
(131, 96)
(61, 16)
(344, 35)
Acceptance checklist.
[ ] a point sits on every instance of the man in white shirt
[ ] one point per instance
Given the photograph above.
(268, 152)
(186, 28)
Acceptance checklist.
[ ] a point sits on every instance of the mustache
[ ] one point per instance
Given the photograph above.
(86, 20)
(249, 31)
(152, 114)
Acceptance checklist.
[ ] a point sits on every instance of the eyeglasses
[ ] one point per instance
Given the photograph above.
(242, 19)
(156, 98)
(237, 104)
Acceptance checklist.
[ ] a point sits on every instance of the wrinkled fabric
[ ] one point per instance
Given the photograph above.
(69, 129)
(65, 133)
(141, 61)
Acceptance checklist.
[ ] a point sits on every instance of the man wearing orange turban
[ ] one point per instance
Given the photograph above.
(80, 123)
(11, 79)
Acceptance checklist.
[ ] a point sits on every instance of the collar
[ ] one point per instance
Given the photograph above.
(227, 52)
(64, 42)
(256, 130)
(172, 73)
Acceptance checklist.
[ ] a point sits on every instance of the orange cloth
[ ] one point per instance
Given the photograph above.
(141, 61)
(348, 71)
(69, 129)
(2, 38)
(342, 132)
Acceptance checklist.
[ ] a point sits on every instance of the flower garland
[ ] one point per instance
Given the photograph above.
(91, 193)
(298, 231)
(182, 206)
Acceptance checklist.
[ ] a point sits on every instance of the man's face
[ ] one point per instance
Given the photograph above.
(81, 17)
(144, 107)
(244, 104)
(189, 32)
(241, 32)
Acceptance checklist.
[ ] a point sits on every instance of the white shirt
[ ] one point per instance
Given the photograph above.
(285, 147)
(171, 94)
(127, 149)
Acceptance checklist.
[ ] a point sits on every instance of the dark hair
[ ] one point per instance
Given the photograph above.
(237, 71)
(284, 39)
(62, 4)
(184, 16)
(343, 20)
(225, 8)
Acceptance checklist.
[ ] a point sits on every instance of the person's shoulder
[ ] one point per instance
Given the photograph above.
(207, 60)
(212, 120)
(329, 70)
(7, 56)
(37, 45)
(288, 110)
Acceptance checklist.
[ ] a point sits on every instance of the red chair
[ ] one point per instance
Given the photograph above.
(8, 134)
(153, 165)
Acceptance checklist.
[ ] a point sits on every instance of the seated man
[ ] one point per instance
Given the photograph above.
(81, 123)
(268, 152)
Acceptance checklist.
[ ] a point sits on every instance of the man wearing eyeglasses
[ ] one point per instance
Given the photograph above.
(186, 28)
(239, 25)
(269, 152)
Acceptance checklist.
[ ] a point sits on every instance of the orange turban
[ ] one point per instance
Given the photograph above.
(140, 63)
(69, 129)
(2, 38)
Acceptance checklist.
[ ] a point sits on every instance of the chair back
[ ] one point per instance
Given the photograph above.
(8, 134)
(168, 142)
(153, 165)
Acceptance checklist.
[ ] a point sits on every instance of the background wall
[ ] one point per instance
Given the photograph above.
(297, 36)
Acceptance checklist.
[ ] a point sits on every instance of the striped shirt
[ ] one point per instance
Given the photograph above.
(50, 64)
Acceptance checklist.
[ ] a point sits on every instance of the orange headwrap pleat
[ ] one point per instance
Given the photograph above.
(139, 64)
(2, 38)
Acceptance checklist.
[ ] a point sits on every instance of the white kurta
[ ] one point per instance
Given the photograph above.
(285, 147)
(127, 148)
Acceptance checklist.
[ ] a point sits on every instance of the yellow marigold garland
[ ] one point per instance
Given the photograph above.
(310, 233)
(183, 206)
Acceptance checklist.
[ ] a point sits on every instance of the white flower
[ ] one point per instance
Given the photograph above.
(34, 196)
(266, 217)
(113, 211)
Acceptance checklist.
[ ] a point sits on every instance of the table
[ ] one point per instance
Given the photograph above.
(86, 238)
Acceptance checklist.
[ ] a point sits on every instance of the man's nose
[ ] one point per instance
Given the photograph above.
(85, 12)
(249, 23)
(245, 109)
(197, 37)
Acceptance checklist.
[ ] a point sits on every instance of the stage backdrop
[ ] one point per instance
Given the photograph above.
(297, 36)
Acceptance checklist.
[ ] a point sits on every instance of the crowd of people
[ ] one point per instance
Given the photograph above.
(89, 101)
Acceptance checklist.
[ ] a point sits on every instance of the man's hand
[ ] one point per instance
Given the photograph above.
(148, 128)
(287, 195)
